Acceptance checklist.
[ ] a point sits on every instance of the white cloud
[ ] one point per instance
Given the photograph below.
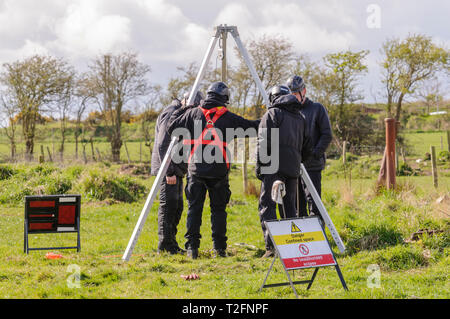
(86, 31)
(171, 33)
(292, 21)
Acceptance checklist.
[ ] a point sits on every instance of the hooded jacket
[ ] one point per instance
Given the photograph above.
(162, 142)
(200, 166)
(320, 131)
(294, 143)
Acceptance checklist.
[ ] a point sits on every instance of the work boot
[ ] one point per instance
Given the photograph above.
(180, 250)
(192, 253)
(269, 253)
(220, 253)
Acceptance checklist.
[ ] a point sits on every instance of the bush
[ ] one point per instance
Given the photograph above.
(406, 170)
(444, 156)
(6, 172)
(401, 258)
(370, 237)
(98, 185)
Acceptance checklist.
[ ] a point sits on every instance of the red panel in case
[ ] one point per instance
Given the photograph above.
(66, 215)
(40, 226)
(42, 203)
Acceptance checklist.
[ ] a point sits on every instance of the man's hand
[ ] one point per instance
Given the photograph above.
(171, 180)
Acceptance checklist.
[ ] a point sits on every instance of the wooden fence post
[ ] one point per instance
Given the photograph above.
(49, 154)
(92, 151)
(448, 140)
(433, 166)
(344, 153)
(42, 154)
(98, 154)
(126, 150)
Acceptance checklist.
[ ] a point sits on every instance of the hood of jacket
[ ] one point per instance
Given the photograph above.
(287, 102)
(211, 102)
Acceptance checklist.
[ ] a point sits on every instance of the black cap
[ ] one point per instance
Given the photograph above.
(295, 84)
(278, 90)
(219, 89)
(197, 99)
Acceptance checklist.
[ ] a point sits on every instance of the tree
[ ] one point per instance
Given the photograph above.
(115, 80)
(321, 83)
(81, 98)
(10, 110)
(149, 114)
(346, 68)
(63, 105)
(407, 64)
(272, 57)
(31, 84)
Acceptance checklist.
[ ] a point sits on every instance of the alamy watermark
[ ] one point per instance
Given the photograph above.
(374, 279)
(374, 18)
(73, 281)
(263, 146)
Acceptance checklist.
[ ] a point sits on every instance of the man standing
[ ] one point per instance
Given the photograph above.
(320, 132)
(171, 193)
(208, 164)
(283, 118)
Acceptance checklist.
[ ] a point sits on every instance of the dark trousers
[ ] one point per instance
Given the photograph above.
(307, 205)
(219, 196)
(169, 213)
(267, 207)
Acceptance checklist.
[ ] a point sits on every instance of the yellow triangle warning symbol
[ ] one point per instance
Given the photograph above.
(294, 228)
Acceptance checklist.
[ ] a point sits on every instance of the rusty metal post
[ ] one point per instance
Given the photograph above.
(390, 152)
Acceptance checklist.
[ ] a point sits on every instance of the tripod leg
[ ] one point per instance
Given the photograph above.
(203, 67)
(250, 66)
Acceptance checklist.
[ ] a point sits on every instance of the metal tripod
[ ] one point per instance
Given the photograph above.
(221, 31)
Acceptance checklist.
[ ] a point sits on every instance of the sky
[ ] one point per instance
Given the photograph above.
(172, 33)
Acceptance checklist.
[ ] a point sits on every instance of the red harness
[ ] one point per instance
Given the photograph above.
(210, 128)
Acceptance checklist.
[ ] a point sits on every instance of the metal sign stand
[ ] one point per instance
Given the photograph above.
(310, 281)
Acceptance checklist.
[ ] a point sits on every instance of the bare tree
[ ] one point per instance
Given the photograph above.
(115, 80)
(63, 106)
(272, 57)
(9, 124)
(81, 98)
(31, 84)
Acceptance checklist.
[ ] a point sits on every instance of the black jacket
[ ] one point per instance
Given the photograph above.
(200, 167)
(162, 142)
(320, 131)
(294, 142)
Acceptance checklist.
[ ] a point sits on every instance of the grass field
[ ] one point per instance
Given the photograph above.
(373, 227)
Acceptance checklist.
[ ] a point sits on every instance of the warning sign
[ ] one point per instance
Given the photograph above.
(301, 243)
(294, 228)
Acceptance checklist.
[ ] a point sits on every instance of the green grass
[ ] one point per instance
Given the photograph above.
(420, 142)
(373, 227)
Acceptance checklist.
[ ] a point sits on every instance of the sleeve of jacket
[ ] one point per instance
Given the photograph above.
(325, 133)
(267, 122)
(307, 146)
(240, 122)
(179, 118)
(155, 161)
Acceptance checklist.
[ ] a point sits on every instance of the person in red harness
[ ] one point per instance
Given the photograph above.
(209, 164)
